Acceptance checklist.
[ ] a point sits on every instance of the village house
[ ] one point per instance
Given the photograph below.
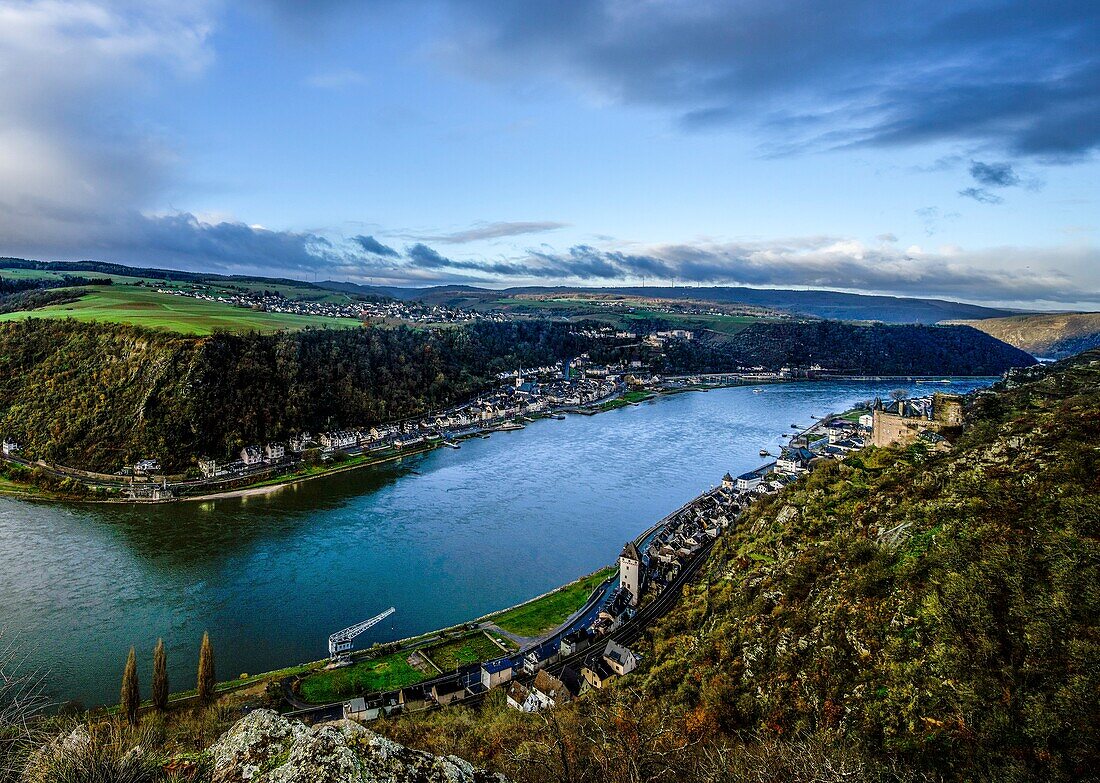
(273, 452)
(299, 442)
(9, 446)
(147, 466)
(520, 698)
(339, 439)
(208, 466)
(251, 455)
(619, 658)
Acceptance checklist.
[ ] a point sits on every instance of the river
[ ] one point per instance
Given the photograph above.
(444, 536)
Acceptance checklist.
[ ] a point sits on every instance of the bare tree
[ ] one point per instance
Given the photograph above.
(21, 699)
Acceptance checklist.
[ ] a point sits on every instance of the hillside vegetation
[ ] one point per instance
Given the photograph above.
(847, 348)
(96, 396)
(896, 616)
(1051, 336)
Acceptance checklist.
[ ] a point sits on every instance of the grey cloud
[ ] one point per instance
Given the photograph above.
(981, 195)
(496, 230)
(994, 175)
(816, 262)
(374, 247)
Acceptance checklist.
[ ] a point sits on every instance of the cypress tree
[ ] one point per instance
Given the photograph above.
(130, 696)
(160, 677)
(207, 678)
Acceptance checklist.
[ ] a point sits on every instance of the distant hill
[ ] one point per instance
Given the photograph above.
(816, 304)
(1050, 336)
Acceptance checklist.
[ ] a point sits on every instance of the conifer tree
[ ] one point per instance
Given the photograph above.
(160, 677)
(207, 678)
(130, 696)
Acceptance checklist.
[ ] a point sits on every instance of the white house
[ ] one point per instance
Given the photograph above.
(747, 481)
(208, 466)
(273, 452)
(9, 446)
(146, 466)
(251, 455)
(619, 658)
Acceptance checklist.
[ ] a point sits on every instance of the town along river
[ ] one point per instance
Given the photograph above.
(444, 536)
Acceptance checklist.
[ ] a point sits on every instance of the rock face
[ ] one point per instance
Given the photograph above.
(265, 747)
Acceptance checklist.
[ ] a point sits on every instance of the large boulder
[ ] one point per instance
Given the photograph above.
(265, 747)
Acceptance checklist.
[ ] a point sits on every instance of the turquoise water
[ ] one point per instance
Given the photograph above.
(444, 537)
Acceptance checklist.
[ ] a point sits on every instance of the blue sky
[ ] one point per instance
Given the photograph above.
(927, 149)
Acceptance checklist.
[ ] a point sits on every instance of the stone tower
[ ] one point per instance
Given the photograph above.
(630, 572)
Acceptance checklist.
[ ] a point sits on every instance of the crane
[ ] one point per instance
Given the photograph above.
(342, 641)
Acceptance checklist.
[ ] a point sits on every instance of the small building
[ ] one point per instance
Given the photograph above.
(9, 446)
(251, 455)
(866, 421)
(728, 482)
(575, 641)
(273, 452)
(208, 466)
(494, 673)
(444, 693)
(414, 697)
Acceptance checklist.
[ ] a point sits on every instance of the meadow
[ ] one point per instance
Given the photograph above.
(126, 304)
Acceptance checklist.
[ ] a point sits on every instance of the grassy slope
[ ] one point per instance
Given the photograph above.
(552, 610)
(1051, 336)
(186, 315)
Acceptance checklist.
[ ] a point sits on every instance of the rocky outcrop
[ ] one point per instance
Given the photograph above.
(265, 747)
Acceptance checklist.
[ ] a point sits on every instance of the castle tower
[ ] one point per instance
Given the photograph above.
(630, 572)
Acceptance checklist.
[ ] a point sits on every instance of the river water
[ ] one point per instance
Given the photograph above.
(445, 537)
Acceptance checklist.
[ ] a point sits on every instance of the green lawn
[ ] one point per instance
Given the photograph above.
(459, 652)
(142, 307)
(379, 674)
(552, 610)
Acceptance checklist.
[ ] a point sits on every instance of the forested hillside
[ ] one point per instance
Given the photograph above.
(98, 395)
(848, 348)
(897, 616)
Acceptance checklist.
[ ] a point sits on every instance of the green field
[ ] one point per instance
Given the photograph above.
(379, 674)
(142, 307)
(473, 648)
(552, 610)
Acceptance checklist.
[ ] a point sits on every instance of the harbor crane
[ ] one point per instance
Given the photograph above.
(342, 641)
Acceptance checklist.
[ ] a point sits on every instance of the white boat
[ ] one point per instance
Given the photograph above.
(757, 391)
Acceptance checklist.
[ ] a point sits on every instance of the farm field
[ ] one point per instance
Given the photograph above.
(551, 610)
(142, 307)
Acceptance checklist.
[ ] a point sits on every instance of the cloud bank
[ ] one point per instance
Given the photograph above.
(1015, 75)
